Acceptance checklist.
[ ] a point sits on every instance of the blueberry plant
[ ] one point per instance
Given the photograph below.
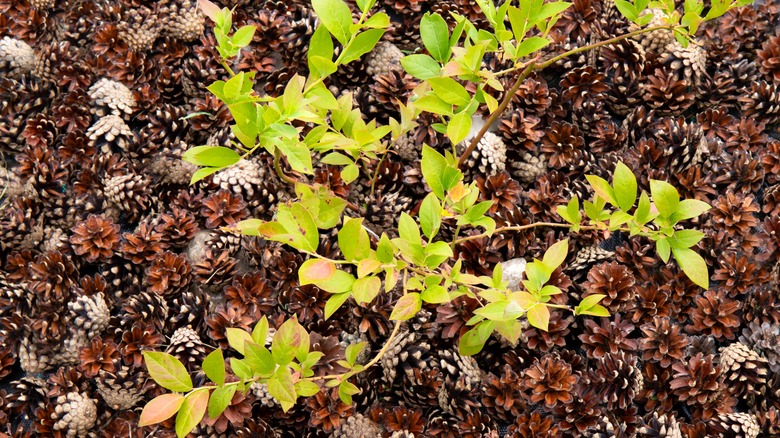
(419, 262)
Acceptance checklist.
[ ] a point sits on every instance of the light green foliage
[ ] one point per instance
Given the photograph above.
(418, 263)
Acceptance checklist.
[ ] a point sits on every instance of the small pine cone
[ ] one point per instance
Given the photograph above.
(128, 193)
(489, 157)
(123, 390)
(654, 41)
(244, 178)
(90, 314)
(214, 270)
(610, 336)
(564, 144)
(407, 147)
(95, 238)
(613, 280)
(689, 63)
(139, 29)
(358, 426)
(182, 19)
(143, 245)
(697, 382)
(734, 213)
(550, 379)
(16, 57)
(178, 227)
(145, 308)
(260, 390)
(503, 396)
(531, 425)
(528, 168)
(768, 55)
(666, 94)
(456, 366)
(662, 342)
(383, 58)
(33, 359)
(169, 274)
(733, 425)
(111, 97)
(187, 347)
(715, 314)
(75, 414)
(327, 411)
(765, 339)
(660, 426)
(223, 208)
(761, 102)
(744, 371)
(616, 380)
(110, 134)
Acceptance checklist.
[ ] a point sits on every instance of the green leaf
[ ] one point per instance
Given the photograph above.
(435, 294)
(420, 66)
(167, 371)
(353, 240)
(339, 283)
(430, 215)
(627, 9)
(306, 226)
(433, 104)
(474, 340)
(665, 197)
(690, 208)
(384, 249)
(336, 16)
(211, 156)
(297, 154)
(663, 248)
(538, 316)
(259, 359)
(685, 238)
(191, 412)
(693, 265)
(346, 391)
(281, 388)
(602, 188)
(320, 44)
(642, 213)
(241, 368)
(450, 91)
(625, 186)
(334, 302)
(435, 36)
(551, 9)
(406, 307)
(237, 338)
(260, 332)
(363, 43)
(556, 254)
(243, 36)
(322, 67)
(433, 165)
(436, 253)
(214, 367)
(353, 350)
(220, 399)
(306, 388)
(407, 229)
(289, 340)
(365, 5)
(203, 173)
(380, 20)
(315, 270)
(588, 302)
(497, 311)
(531, 45)
(160, 409)
(350, 173)
(459, 127)
(364, 290)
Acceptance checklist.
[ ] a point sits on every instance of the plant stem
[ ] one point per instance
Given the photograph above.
(226, 67)
(533, 66)
(278, 168)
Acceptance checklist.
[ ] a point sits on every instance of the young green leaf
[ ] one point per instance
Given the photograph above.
(160, 409)
(353, 240)
(588, 302)
(435, 294)
(334, 303)
(422, 67)
(538, 316)
(625, 186)
(430, 216)
(435, 36)
(474, 340)
(167, 371)
(259, 359)
(665, 197)
(685, 238)
(353, 350)
(306, 388)
(211, 156)
(281, 387)
(556, 254)
(260, 332)
(459, 127)
(596, 310)
(602, 188)
(406, 307)
(220, 399)
(365, 5)
(214, 367)
(407, 229)
(363, 43)
(289, 340)
(690, 208)
(336, 16)
(693, 265)
(340, 282)
(243, 36)
(237, 338)
(241, 369)
(663, 248)
(364, 290)
(191, 412)
(346, 391)
(530, 45)
(450, 91)
(433, 165)
(320, 44)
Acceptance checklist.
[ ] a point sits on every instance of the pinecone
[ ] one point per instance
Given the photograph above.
(128, 193)
(769, 56)
(608, 337)
(734, 213)
(145, 308)
(765, 339)
(110, 134)
(143, 245)
(111, 97)
(123, 390)
(689, 63)
(658, 40)
(550, 379)
(744, 371)
(244, 179)
(383, 58)
(169, 274)
(697, 382)
(660, 426)
(666, 94)
(733, 425)
(616, 380)
(90, 314)
(16, 57)
(564, 145)
(139, 28)
(96, 238)
(715, 314)
(488, 158)
(357, 426)
(223, 208)
(662, 342)
(503, 397)
(186, 346)
(327, 410)
(613, 280)
(761, 102)
(75, 414)
(181, 19)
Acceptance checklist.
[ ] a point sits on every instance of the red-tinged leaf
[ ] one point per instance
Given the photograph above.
(191, 412)
(167, 371)
(209, 9)
(160, 409)
(539, 316)
(406, 307)
(315, 270)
